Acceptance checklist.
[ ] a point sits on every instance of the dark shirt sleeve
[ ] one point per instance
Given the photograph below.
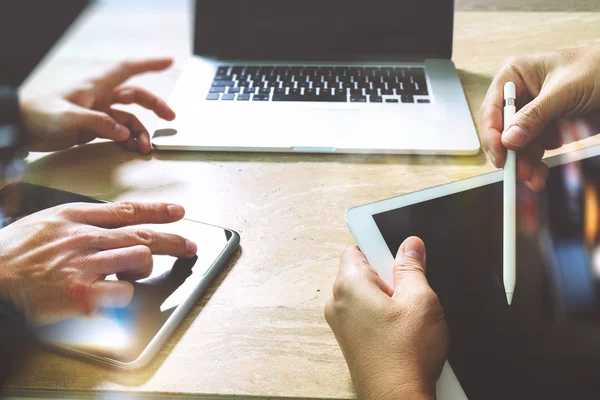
(14, 335)
(13, 332)
(9, 106)
(12, 138)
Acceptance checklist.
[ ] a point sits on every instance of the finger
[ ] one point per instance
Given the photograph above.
(409, 265)
(116, 215)
(99, 124)
(129, 145)
(527, 159)
(158, 243)
(540, 173)
(138, 131)
(531, 120)
(127, 69)
(492, 113)
(355, 273)
(133, 262)
(142, 97)
(111, 294)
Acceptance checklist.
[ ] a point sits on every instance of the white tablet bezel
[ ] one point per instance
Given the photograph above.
(368, 237)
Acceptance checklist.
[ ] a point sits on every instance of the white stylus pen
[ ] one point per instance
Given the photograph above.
(510, 201)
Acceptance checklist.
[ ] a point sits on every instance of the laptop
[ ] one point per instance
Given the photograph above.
(334, 76)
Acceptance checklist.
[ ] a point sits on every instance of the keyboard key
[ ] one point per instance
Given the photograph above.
(218, 89)
(272, 84)
(375, 99)
(324, 98)
(228, 97)
(417, 71)
(423, 101)
(391, 100)
(243, 97)
(341, 92)
(420, 89)
(310, 92)
(233, 90)
(260, 97)
(223, 70)
(213, 96)
(279, 91)
(222, 83)
(399, 72)
(237, 70)
(264, 91)
(303, 84)
(387, 91)
(295, 91)
(407, 99)
(358, 99)
(356, 92)
(327, 71)
(371, 92)
(249, 90)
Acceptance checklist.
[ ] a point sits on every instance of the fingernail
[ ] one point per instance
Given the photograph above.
(175, 211)
(191, 247)
(117, 128)
(515, 135)
(412, 249)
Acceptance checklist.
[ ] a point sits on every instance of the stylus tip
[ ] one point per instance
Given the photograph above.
(509, 297)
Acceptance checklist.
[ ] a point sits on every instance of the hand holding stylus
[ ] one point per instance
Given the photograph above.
(549, 86)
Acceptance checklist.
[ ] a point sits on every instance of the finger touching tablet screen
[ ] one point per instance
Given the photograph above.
(547, 344)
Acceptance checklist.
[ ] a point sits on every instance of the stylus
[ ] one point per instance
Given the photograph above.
(510, 199)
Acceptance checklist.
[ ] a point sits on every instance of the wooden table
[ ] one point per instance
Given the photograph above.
(260, 330)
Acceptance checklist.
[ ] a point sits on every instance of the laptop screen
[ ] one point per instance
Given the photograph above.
(324, 30)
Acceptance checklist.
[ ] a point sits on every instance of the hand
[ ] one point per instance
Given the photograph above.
(85, 112)
(53, 263)
(394, 340)
(549, 86)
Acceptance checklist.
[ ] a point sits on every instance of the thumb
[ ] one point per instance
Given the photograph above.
(532, 119)
(100, 124)
(409, 265)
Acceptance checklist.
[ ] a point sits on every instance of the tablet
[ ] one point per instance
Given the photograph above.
(130, 337)
(547, 344)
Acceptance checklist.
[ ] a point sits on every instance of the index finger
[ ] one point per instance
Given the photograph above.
(355, 270)
(116, 215)
(492, 110)
(125, 70)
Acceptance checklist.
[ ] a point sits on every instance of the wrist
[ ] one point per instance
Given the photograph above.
(396, 386)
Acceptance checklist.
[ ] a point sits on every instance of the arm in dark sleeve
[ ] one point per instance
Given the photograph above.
(14, 335)
(12, 137)
(9, 106)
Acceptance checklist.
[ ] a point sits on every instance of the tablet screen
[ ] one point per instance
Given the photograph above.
(547, 344)
(122, 334)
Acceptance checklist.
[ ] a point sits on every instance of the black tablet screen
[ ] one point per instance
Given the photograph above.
(547, 344)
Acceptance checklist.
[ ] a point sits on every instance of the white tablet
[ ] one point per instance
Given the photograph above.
(547, 344)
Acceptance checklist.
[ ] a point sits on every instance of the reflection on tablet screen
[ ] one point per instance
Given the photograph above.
(123, 333)
(547, 344)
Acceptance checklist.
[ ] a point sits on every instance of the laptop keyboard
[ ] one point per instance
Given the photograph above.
(324, 84)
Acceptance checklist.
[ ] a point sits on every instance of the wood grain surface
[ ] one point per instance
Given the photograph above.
(260, 330)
